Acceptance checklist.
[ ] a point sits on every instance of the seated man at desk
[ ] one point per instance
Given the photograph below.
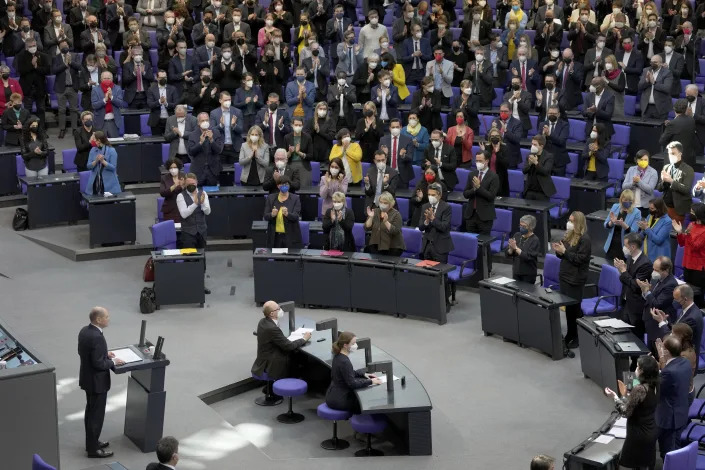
(538, 185)
(273, 348)
(524, 248)
(344, 380)
(273, 174)
(283, 210)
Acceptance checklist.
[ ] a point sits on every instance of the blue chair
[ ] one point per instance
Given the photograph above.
(561, 196)
(160, 214)
(572, 167)
(630, 105)
(154, 59)
(577, 131)
(412, 240)
(534, 119)
(462, 256)
(502, 227)
(365, 169)
(497, 101)
(165, 152)
(678, 263)
(456, 215)
(144, 128)
(39, 464)
(164, 235)
(304, 227)
(315, 173)
(152, 39)
(325, 412)
(20, 171)
(444, 120)
(67, 157)
(682, 459)
(462, 175)
(516, 183)
(403, 208)
(620, 140)
(237, 173)
(83, 177)
(615, 176)
(609, 290)
(369, 424)
(359, 236)
(417, 175)
(290, 388)
(269, 398)
(50, 81)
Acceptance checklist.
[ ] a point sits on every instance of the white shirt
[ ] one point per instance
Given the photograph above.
(515, 109)
(163, 114)
(228, 140)
(475, 31)
(651, 96)
(667, 59)
(95, 37)
(186, 211)
(58, 35)
(342, 101)
(182, 128)
(634, 258)
(383, 112)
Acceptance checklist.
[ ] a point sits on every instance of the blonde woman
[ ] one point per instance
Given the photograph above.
(643, 23)
(338, 223)
(574, 252)
(350, 153)
(616, 82)
(254, 158)
(623, 219)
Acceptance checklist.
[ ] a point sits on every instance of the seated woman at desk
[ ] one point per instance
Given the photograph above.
(622, 220)
(384, 224)
(523, 249)
(344, 380)
(333, 181)
(338, 223)
(102, 163)
(34, 148)
(596, 153)
(639, 407)
(171, 185)
(656, 230)
(420, 196)
(283, 210)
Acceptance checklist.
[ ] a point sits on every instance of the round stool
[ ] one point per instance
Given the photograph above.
(368, 424)
(330, 414)
(290, 388)
(268, 399)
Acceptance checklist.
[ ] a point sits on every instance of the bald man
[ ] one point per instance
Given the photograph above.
(94, 378)
(273, 348)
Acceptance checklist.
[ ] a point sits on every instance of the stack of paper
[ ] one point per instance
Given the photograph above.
(127, 355)
(171, 252)
(612, 323)
(604, 439)
(280, 251)
(502, 280)
(619, 430)
(299, 334)
(383, 378)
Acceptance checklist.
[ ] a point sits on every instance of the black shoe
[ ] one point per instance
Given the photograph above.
(100, 454)
(572, 344)
(62, 133)
(207, 291)
(103, 445)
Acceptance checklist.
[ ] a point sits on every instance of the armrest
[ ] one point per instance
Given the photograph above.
(462, 267)
(599, 299)
(501, 245)
(540, 276)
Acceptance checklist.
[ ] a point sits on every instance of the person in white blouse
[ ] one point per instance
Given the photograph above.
(193, 206)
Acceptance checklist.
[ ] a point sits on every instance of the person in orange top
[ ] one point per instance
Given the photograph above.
(461, 137)
(693, 239)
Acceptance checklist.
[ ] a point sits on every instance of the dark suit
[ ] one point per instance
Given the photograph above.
(661, 297)
(482, 81)
(479, 210)
(87, 46)
(33, 80)
(404, 162)
(51, 41)
(200, 57)
(570, 85)
(631, 292)
(129, 83)
(603, 112)
(349, 97)
(541, 172)
(449, 162)
(175, 74)
(699, 117)
(94, 379)
(373, 177)
(9, 119)
(677, 67)
(321, 77)
(279, 132)
(236, 131)
(305, 147)
(672, 409)
(542, 43)
(199, 32)
(483, 35)
(512, 138)
(273, 350)
(589, 64)
(407, 59)
(392, 101)
(75, 19)
(692, 67)
(680, 188)
(112, 22)
(81, 139)
(662, 94)
(191, 124)
(632, 70)
(155, 106)
(157, 466)
(693, 317)
(205, 157)
(580, 42)
(659, 38)
(290, 171)
(523, 107)
(292, 231)
(436, 243)
(682, 129)
(532, 79)
(556, 144)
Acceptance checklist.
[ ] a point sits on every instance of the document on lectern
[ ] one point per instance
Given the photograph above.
(383, 377)
(502, 280)
(127, 355)
(299, 334)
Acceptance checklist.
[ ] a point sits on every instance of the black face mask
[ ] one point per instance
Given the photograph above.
(494, 140)
(88, 123)
(34, 129)
(304, 22)
(456, 49)
(5, 76)
(515, 86)
(653, 213)
(162, 81)
(315, 52)
(567, 60)
(240, 41)
(25, 29)
(207, 20)
(206, 80)
(17, 107)
(369, 113)
(272, 107)
(690, 98)
(93, 25)
(654, 67)
(549, 86)
(191, 188)
(553, 118)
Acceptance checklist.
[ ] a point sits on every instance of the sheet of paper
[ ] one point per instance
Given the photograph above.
(127, 355)
(177, 225)
(280, 251)
(612, 323)
(621, 423)
(502, 280)
(604, 439)
(171, 252)
(621, 433)
(383, 378)
(107, 194)
(299, 334)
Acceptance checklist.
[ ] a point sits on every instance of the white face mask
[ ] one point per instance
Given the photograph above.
(249, 83)
(569, 226)
(673, 159)
(280, 164)
(655, 275)
(204, 125)
(226, 104)
(227, 55)
(337, 205)
(549, 3)
(384, 45)
(254, 138)
(593, 135)
(433, 200)
(353, 347)
(384, 207)
(522, 58)
(395, 131)
(280, 314)
(268, 22)
(374, 21)
(322, 113)
(480, 166)
(626, 252)
(479, 57)
(430, 89)
(592, 89)
(534, 149)
(334, 171)
(342, 82)
(386, 83)
(436, 143)
(608, 66)
(413, 122)
(346, 140)
(169, 21)
(210, 44)
(174, 171)
(467, 91)
(418, 35)
(667, 49)
(298, 129)
(381, 166)
(373, 65)
(32, 50)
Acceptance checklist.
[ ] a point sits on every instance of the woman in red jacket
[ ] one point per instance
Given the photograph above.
(9, 86)
(693, 239)
(460, 137)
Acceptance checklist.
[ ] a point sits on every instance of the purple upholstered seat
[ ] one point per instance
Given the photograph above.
(325, 412)
(290, 387)
(682, 459)
(39, 464)
(164, 235)
(609, 290)
(368, 424)
(412, 240)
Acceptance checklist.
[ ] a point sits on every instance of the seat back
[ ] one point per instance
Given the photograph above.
(577, 130)
(609, 283)
(365, 168)
(160, 203)
(403, 208)
(358, 232)
(464, 248)
(19, 163)
(315, 173)
(412, 240)
(516, 183)
(684, 458)
(456, 215)
(572, 168)
(83, 177)
(502, 226)
(417, 175)
(67, 156)
(615, 175)
(462, 175)
(39, 464)
(562, 185)
(164, 235)
(165, 152)
(551, 267)
(678, 263)
(620, 140)
(304, 227)
(237, 173)
(630, 105)
(144, 128)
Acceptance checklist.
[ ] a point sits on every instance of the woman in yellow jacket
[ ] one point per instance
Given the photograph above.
(350, 153)
(398, 76)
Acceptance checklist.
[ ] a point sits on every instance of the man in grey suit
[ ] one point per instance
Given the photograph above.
(655, 87)
(66, 67)
(540, 18)
(349, 56)
(379, 178)
(237, 25)
(178, 128)
(594, 62)
(151, 13)
(221, 14)
(674, 62)
(205, 56)
(441, 69)
(520, 103)
(56, 32)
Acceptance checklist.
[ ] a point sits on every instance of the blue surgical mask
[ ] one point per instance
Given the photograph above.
(523, 230)
(626, 204)
(284, 188)
(515, 8)
(300, 79)
(384, 63)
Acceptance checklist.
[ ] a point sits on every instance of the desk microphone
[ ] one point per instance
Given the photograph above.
(320, 340)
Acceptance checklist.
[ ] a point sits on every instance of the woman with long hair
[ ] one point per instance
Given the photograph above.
(335, 180)
(321, 127)
(692, 239)
(170, 187)
(616, 83)
(254, 158)
(656, 230)
(596, 153)
(574, 252)
(102, 163)
(34, 148)
(622, 220)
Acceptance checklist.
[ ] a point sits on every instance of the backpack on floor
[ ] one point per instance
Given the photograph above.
(148, 301)
(21, 219)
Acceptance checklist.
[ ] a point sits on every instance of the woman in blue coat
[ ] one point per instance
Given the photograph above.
(622, 220)
(656, 230)
(102, 160)
(418, 135)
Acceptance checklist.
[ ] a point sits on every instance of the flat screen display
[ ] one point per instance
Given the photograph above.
(12, 352)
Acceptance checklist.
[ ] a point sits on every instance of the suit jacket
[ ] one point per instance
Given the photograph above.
(437, 232)
(333, 33)
(349, 97)
(86, 41)
(291, 221)
(391, 103)
(158, 9)
(205, 157)
(485, 29)
(677, 68)
(292, 98)
(589, 64)
(482, 81)
(447, 67)
(662, 90)
(682, 129)
(449, 162)
(404, 162)
(236, 131)
(175, 71)
(672, 408)
(157, 466)
(699, 117)
(273, 349)
(659, 38)
(523, 106)
(97, 97)
(692, 67)
(200, 57)
(471, 109)
(81, 139)
(540, 18)
(112, 20)
(680, 187)
(199, 32)
(570, 96)
(94, 375)
(373, 175)
(230, 27)
(542, 43)
(59, 68)
(512, 138)
(9, 119)
(532, 78)
(290, 171)
(206, 103)
(75, 19)
(305, 147)
(631, 292)
(322, 74)
(129, 79)
(661, 297)
(279, 132)
(51, 41)
(542, 170)
(556, 142)
(407, 49)
(603, 113)
(30, 76)
(481, 200)
(633, 69)
(172, 99)
(173, 138)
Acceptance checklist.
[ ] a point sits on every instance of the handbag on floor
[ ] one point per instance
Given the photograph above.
(20, 221)
(148, 273)
(148, 301)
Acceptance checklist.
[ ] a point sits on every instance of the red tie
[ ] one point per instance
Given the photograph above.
(394, 153)
(523, 76)
(271, 129)
(139, 77)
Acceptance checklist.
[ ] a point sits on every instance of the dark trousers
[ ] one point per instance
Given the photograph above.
(651, 112)
(535, 196)
(696, 279)
(415, 76)
(636, 321)
(139, 101)
(192, 241)
(667, 440)
(279, 240)
(228, 155)
(93, 419)
(525, 278)
(183, 157)
(475, 225)
(390, 252)
(429, 252)
(558, 171)
(159, 128)
(40, 102)
(572, 312)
